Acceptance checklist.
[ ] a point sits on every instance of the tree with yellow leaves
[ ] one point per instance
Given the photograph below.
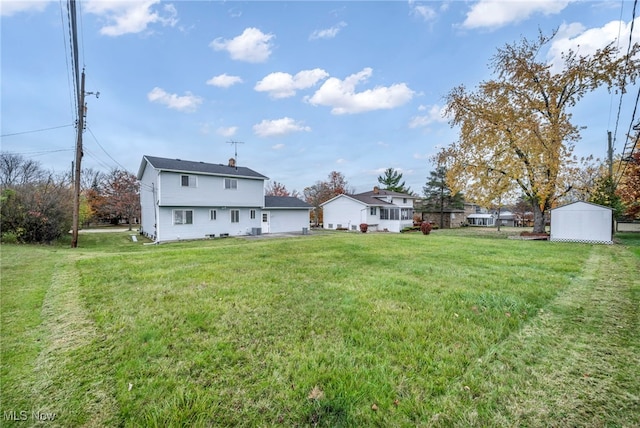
(516, 130)
(629, 184)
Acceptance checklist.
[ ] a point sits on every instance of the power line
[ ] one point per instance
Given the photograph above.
(104, 150)
(617, 47)
(633, 18)
(66, 58)
(35, 130)
(39, 152)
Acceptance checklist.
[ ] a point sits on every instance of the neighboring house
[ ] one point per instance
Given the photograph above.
(381, 210)
(193, 200)
(478, 216)
(481, 219)
(582, 222)
(449, 217)
(507, 218)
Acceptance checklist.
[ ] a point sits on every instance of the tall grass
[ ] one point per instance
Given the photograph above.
(332, 330)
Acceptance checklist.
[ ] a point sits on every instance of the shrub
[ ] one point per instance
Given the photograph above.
(426, 227)
(364, 227)
(9, 238)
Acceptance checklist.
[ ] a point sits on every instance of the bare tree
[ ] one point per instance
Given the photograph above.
(15, 170)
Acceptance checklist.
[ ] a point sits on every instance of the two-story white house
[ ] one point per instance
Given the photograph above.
(183, 199)
(381, 210)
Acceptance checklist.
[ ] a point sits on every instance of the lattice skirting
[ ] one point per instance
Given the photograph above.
(582, 241)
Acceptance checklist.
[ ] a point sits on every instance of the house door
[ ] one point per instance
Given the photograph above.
(266, 216)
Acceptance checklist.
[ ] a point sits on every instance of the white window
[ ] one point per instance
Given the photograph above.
(253, 214)
(265, 217)
(182, 217)
(235, 216)
(389, 214)
(188, 180)
(213, 214)
(404, 200)
(372, 210)
(230, 183)
(406, 214)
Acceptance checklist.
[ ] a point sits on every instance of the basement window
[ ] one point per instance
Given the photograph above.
(182, 216)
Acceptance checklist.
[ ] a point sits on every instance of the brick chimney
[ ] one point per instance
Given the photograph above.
(232, 162)
(376, 190)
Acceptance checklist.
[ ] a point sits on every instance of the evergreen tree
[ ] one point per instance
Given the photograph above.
(438, 195)
(391, 181)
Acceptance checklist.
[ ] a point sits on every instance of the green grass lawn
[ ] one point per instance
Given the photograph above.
(458, 328)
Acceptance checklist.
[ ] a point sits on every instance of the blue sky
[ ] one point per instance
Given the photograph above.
(308, 87)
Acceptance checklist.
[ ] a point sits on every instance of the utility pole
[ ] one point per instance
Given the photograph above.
(610, 155)
(76, 175)
(612, 188)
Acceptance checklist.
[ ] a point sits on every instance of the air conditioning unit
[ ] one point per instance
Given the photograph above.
(256, 231)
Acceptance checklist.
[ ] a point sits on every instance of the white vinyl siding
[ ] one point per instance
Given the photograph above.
(209, 192)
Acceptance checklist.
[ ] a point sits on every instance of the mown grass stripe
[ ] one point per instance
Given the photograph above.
(563, 367)
(66, 380)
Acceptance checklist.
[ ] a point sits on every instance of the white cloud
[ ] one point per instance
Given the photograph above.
(224, 81)
(278, 146)
(187, 103)
(328, 33)
(283, 85)
(251, 46)
(341, 161)
(498, 13)
(435, 114)
(425, 12)
(284, 126)
(9, 8)
(341, 96)
(227, 132)
(126, 17)
(584, 41)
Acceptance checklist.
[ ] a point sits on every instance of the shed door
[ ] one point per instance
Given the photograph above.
(266, 216)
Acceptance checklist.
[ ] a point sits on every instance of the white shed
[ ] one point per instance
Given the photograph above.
(582, 222)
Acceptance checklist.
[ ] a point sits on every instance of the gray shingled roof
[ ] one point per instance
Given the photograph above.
(285, 202)
(382, 192)
(369, 200)
(179, 165)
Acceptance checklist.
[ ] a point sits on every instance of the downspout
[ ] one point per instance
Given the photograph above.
(156, 207)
